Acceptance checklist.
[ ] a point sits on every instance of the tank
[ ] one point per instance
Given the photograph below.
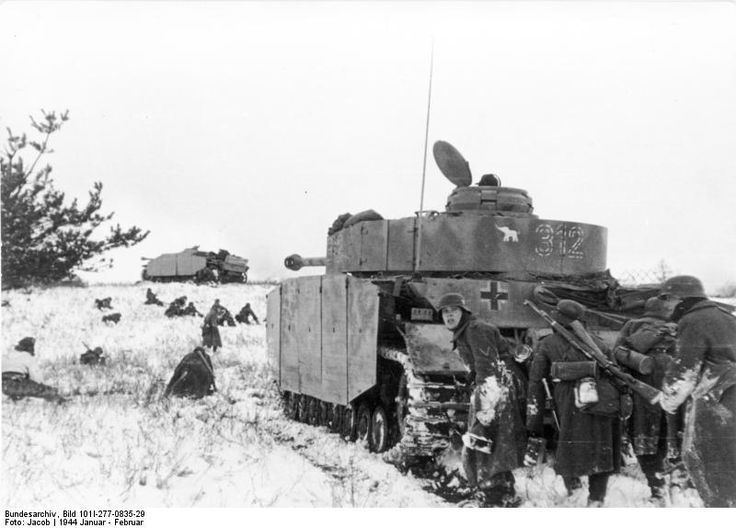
(362, 350)
(196, 265)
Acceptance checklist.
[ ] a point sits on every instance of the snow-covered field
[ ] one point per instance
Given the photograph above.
(115, 443)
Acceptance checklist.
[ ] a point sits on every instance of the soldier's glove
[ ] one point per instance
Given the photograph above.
(534, 453)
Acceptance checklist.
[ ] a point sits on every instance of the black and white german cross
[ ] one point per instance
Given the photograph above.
(496, 293)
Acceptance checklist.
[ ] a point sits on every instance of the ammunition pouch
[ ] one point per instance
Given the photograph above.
(573, 370)
(633, 360)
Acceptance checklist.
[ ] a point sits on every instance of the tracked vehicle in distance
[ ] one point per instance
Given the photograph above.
(361, 348)
(198, 266)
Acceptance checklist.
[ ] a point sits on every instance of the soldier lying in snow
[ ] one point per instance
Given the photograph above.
(225, 317)
(111, 318)
(193, 377)
(21, 375)
(176, 308)
(152, 299)
(93, 357)
(104, 304)
(191, 310)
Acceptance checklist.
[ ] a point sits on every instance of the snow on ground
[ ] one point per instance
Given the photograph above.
(115, 443)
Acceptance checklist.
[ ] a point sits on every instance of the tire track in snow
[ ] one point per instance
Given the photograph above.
(359, 478)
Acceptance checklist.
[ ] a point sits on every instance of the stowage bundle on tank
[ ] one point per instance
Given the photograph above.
(196, 265)
(362, 347)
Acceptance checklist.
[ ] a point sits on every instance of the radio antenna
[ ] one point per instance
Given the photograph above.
(418, 244)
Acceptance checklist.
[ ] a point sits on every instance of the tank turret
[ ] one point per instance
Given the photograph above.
(362, 348)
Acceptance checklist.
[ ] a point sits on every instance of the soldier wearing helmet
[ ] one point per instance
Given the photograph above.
(703, 377)
(210, 331)
(21, 375)
(495, 441)
(588, 444)
(649, 430)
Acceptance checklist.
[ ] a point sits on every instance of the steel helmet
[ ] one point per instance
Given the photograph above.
(568, 311)
(452, 300)
(683, 286)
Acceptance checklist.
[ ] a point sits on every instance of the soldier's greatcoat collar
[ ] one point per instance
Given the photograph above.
(458, 332)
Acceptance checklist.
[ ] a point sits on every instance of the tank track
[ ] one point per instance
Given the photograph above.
(436, 408)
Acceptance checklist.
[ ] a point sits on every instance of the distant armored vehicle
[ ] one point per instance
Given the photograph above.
(199, 266)
(362, 348)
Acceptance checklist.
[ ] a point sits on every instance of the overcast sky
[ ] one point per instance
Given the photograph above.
(251, 126)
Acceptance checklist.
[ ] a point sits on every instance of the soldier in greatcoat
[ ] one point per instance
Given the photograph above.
(210, 330)
(703, 377)
(21, 375)
(193, 377)
(496, 439)
(588, 444)
(654, 336)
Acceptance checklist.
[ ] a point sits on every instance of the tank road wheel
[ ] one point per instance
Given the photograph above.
(363, 424)
(324, 413)
(293, 406)
(335, 418)
(313, 411)
(379, 430)
(301, 408)
(347, 427)
(402, 404)
(288, 404)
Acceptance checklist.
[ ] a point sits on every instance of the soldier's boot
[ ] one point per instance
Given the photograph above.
(597, 484)
(500, 491)
(572, 484)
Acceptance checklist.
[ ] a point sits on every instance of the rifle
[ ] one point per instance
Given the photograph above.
(581, 341)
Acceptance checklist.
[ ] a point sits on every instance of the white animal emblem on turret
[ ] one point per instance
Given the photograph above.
(509, 235)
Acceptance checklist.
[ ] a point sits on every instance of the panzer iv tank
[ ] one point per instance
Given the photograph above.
(362, 349)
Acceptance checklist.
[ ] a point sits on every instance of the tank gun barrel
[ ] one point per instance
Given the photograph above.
(296, 262)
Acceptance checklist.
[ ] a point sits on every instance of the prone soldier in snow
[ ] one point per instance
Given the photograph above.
(210, 330)
(93, 357)
(494, 444)
(246, 312)
(703, 377)
(646, 346)
(104, 304)
(589, 435)
(176, 308)
(225, 317)
(152, 299)
(112, 318)
(21, 375)
(193, 377)
(191, 310)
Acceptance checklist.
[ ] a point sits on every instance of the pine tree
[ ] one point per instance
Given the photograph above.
(44, 238)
